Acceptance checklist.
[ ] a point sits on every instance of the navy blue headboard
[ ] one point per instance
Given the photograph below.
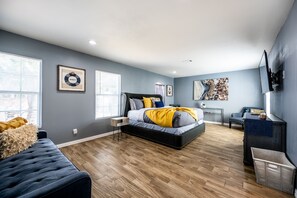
(138, 96)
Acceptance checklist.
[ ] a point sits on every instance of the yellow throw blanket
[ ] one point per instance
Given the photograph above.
(163, 117)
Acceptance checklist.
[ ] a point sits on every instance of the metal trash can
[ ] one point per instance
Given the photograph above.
(273, 169)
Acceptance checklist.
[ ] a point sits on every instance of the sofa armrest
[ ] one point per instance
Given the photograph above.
(41, 134)
(75, 185)
(236, 115)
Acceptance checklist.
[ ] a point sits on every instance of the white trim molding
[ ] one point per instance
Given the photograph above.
(84, 139)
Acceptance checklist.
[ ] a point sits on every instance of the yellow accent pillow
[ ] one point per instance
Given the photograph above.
(12, 124)
(257, 111)
(4, 126)
(147, 102)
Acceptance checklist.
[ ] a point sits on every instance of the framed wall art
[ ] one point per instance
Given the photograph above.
(169, 90)
(211, 89)
(71, 79)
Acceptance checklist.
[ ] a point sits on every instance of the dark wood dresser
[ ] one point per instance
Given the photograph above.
(266, 134)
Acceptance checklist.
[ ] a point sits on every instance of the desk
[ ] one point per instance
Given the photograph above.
(211, 109)
(117, 123)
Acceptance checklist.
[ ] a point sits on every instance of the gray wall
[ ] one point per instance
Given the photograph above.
(61, 112)
(283, 102)
(244, 90)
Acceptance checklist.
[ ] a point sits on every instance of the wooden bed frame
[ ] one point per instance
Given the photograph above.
(171, 140)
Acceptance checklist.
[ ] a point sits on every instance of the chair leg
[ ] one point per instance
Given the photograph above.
(230, 124)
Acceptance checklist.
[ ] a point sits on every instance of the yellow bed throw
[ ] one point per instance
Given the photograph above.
(163, 117)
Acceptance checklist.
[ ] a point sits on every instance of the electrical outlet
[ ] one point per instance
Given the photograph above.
(75, 131)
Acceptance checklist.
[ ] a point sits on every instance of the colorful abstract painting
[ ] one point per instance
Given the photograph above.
(211, 89)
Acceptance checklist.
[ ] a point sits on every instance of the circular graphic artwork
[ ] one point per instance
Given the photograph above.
(72, 79)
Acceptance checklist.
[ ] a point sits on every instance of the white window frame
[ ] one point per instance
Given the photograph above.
(267, 103)
(39, 93)
(119, 94)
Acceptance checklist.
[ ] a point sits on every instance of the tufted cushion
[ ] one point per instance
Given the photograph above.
(39, 166)
(13, 141)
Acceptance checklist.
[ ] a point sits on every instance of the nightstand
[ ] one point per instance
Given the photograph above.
(116, 123)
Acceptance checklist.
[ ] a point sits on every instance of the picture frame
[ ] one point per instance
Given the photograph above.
(71, 79)
(211, 89)
(169, 90)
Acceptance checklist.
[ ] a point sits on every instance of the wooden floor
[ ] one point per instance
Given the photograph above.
(210, 166)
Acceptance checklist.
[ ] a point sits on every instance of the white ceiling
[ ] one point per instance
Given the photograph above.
(155, 35)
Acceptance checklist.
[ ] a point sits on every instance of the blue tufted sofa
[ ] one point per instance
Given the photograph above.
(42, 171)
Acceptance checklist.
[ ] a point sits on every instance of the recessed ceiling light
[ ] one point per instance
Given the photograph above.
(187, 61)
(92, 42)
(174, 72)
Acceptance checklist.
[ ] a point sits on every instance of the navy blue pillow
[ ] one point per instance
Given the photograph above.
(159, 104)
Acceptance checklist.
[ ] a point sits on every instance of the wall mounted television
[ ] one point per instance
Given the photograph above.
(265, 74)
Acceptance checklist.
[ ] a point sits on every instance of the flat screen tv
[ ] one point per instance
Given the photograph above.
(265, 74)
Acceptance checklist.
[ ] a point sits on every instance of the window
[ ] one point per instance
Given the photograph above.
(160, 89)
(267, 102)
(20, 88)
(108, 93)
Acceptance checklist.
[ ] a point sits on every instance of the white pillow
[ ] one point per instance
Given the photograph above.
(132, 104)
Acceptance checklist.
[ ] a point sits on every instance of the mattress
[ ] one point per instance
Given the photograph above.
(174, 131)
(139, 116)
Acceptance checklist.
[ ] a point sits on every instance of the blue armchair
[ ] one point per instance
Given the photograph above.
(238, 118)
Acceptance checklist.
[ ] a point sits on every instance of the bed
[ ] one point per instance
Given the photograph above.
(157, 134)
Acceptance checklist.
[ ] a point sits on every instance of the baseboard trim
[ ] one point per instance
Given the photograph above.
(84, 139)
(219, 123)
